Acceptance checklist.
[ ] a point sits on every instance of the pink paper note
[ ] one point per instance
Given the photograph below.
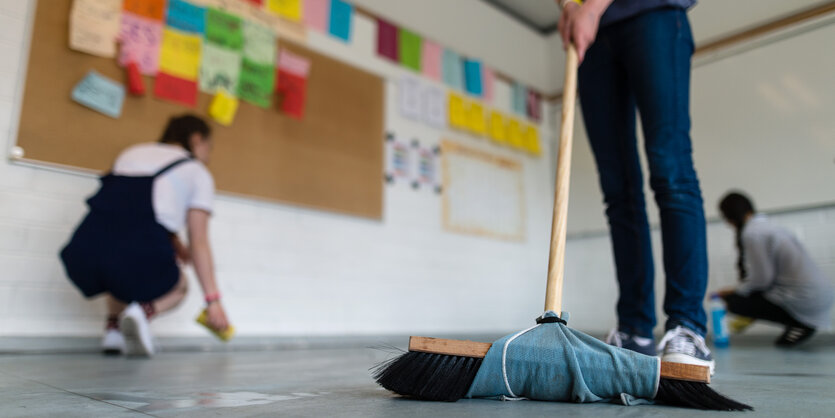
(431, 60)
(487, 79)
(293, 64)
(140, 39)
(316, 14)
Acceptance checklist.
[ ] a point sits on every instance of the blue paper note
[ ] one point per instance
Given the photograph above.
(340, 19)
(472, 74)
(100, 93)
(186, 16)
(453, 69)
(520, 97)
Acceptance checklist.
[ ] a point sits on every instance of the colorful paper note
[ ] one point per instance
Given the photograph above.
(453, 69)
(520, 97)
(341, 16)
(293, 63)
(457, 111)
(387, 42)
(256, 83)
(497, 129)
(288, 9)
(409, 48)
(531, 140)
(223, 108)
(434, 106)
(488, 79)
(476, 121)
(515, 136)
(316, 14)
(94, 26)
(410, 97)
(180, 54)
(259, 43)
(136, 85)
(224, 29)
(430, 60)
(186, 17)
(472, 75)
(140, 39)
(292, 90)
(533, 106)
(220, 68)
(176, 89)
(100, 94)
(151, 9)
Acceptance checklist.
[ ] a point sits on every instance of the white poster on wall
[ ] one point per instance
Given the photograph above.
(410, 98)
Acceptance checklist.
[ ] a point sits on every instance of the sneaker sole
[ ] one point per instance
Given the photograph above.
(134, 345)
(111, 351)
(685, 359)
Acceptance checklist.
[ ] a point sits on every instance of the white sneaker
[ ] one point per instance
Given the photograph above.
(682, 345)
(137, 332)
(113, 342)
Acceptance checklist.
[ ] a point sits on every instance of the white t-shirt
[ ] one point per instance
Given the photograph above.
(189, 185)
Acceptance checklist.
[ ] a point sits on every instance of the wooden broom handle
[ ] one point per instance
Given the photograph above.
(556, 259)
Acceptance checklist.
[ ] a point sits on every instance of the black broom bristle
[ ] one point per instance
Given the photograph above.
(695, 395)
(429, 376)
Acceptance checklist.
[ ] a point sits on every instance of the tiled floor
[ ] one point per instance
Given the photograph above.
(336, 382)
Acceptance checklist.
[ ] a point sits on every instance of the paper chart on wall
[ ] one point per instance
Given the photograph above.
(95, 26)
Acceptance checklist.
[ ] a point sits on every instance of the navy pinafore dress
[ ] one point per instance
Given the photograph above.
(120, 248)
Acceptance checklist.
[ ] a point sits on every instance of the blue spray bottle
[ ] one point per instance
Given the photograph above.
(719, 320)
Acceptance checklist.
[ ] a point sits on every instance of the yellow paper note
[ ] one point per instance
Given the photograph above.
(498, 128)
(94, 26)
(475, 120)
(532, 140)
(223, 108)
(457, 111)
(289, 9)
(515, 137)
(180, 54)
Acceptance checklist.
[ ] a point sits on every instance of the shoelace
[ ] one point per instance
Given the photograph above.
(683, 340)
(615, 338)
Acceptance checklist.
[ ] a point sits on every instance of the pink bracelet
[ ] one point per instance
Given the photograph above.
(212, 297)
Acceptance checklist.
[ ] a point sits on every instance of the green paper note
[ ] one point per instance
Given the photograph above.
(256, 83)
(410, 52)
(224, 29)
(259, 43)
(220, 68)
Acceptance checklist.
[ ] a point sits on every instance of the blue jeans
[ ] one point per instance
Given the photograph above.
(643, 63)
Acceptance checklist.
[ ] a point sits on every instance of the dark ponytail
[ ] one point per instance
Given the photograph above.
(735, 208)
(181, 128)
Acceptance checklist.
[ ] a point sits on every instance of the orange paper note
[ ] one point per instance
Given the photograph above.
(152, 9)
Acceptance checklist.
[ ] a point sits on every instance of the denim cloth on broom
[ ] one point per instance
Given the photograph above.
(551, 362)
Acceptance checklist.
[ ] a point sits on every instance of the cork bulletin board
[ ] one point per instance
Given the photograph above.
(332, 159)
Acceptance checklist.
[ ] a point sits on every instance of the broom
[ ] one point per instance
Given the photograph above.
(548, 361)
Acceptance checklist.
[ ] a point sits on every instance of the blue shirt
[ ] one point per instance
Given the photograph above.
(624, 9)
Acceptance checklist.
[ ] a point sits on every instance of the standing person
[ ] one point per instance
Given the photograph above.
(127, 248)
(782, 283)
(635, 55)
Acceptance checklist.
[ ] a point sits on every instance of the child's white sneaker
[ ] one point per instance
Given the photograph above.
(136, 331)
(113, 342)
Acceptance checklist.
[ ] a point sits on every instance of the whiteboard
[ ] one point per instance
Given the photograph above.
(483, 193)
(763, 122)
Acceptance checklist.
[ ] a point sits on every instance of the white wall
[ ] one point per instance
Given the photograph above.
(285, 270)
(590, 272)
